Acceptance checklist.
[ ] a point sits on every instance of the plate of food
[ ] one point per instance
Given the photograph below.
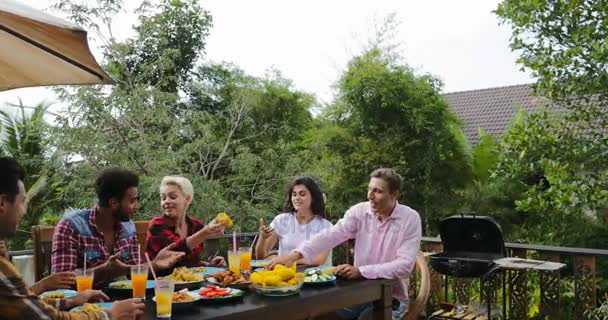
(325, 269)
(200, 269)
(259, 263)
(228, 279)
(207, 270)
(183, 277)
(92, 307)
(278, 291)
(58, 294)
(279, 282)
(217, 293)
(183, 298)
(127, 285)
(319, 276)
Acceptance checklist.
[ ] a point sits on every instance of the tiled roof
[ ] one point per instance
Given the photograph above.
(490, 109)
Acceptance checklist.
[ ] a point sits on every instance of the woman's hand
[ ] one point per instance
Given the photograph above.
(211, 229)
(214, 228)
(218, 261)
(265, 232)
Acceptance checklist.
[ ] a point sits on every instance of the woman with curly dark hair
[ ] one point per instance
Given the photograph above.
(304, 218)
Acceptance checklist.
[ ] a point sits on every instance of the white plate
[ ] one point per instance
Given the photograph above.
(193, 294)
(67, 293)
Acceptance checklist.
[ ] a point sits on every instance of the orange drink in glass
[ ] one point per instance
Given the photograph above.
(164, 298)
(234, 261)
(139, 277)
(245, 257)
(84, 279)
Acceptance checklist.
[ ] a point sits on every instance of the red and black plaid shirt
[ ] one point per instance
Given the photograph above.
(161, 233)
(77, 234)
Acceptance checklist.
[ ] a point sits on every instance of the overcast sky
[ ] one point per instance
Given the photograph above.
(311, 41)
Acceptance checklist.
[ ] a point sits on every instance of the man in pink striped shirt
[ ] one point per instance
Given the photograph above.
(387, 238)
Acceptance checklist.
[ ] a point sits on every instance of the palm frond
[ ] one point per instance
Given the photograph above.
(36, 189)
(10, 139)
(23, 132)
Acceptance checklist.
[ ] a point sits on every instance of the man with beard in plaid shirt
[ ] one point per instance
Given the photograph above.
(105, 233)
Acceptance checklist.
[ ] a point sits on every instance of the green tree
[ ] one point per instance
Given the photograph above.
(563, 176)
(562, 42)
(559, 154)
(23, 138)
(235, 136)
(492, 195)
(386, 115)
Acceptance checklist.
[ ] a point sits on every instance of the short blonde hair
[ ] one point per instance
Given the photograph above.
(184, 184)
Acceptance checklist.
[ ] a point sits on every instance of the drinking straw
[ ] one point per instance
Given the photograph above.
(152, 269)
(138, 259)
(253, 242)
(85, 264)
(234, 241)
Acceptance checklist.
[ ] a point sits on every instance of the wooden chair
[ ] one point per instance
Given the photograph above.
(43, 245)
(416, 306)
(141, 228)
(273, 252)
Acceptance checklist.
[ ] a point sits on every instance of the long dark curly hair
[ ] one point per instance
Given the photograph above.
(317, 202)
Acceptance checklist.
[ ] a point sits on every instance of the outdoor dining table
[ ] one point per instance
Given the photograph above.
(311, 301)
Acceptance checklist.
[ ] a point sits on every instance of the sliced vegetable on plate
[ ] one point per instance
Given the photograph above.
(318, 276)
(212, 292)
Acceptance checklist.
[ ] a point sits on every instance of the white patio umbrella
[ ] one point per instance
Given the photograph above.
(38, 49)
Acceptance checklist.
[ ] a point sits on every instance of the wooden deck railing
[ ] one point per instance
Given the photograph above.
(580, 270)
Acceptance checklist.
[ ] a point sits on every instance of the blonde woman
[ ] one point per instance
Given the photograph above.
(174, 225)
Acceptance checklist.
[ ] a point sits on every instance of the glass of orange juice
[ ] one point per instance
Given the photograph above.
(84, 279)
(164, 298)
(234, 261)
(245, 257)
(139, 277)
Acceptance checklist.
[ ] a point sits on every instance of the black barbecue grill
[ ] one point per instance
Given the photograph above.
(470, 245)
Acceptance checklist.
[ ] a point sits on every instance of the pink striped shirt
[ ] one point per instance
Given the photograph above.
(383, 250)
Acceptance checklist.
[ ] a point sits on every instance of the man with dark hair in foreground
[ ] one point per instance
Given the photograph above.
(16, 301)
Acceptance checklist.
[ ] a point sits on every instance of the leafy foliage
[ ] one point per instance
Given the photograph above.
(233, 135)
(559, 154)
(23, 138)
(386, 115)
(598, 313)
(563, 43)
